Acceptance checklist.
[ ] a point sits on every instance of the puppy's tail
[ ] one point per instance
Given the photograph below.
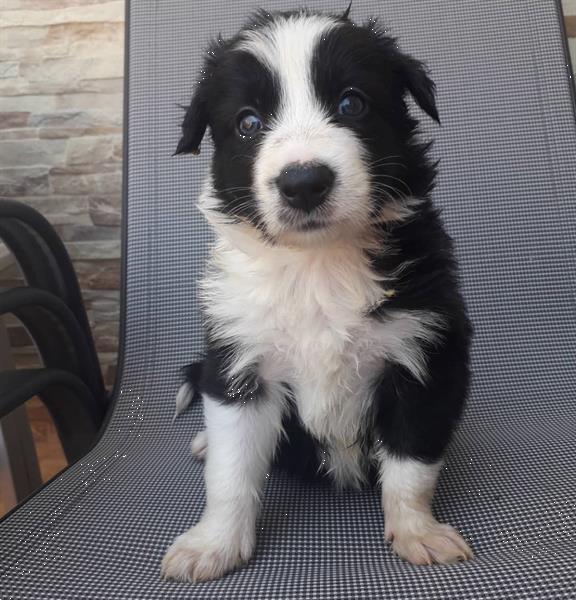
(190, 390)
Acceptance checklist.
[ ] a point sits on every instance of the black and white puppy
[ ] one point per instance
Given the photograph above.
(331, 300)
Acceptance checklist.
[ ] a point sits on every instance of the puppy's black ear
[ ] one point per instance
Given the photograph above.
(193, 126)
(416, 78)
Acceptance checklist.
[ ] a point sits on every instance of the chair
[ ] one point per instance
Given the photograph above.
(507, 187)
(50, 307)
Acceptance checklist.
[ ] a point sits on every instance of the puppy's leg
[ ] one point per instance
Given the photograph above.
(241, 442)
(416, 536)
(414, 419)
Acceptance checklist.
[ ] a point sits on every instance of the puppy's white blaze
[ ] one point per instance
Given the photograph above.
(301, 131)
(287, 47)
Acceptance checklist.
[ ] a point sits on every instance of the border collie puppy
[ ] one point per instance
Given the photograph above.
(336, 332)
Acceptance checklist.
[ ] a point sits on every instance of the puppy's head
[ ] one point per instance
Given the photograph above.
(311, 130)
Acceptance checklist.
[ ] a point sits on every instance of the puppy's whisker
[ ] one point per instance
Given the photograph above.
(381, 185)
(372, 168)
(401, 181)
(386, 160)
(238, 209)
(390, 191)
(377, 181)
(234, 189)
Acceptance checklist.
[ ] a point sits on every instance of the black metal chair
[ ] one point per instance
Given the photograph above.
(50, 307)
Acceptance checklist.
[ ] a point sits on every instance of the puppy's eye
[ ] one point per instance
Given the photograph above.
(249, 123)
(352, 104)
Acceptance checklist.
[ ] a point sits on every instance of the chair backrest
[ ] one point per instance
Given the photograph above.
(507, 185)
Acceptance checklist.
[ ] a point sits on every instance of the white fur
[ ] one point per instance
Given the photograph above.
(301, 132)
(299, 313)
(407, 490)
(240, 445)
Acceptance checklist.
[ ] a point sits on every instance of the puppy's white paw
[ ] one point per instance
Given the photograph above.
(199, 445)
(207, 552)
(429, 542)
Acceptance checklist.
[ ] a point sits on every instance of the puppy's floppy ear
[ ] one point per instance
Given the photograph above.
(412, 74)
(416, 78)
(194, 125)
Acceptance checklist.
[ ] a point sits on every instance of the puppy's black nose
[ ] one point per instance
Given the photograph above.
(305, 186)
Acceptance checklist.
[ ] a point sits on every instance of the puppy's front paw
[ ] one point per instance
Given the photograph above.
(430, 542)
(206, 552)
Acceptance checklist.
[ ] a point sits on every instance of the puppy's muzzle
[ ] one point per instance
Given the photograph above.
(305, 186)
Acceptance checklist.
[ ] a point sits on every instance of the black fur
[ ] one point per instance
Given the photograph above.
(231, 81)
(366, 59)
(417, 420)
(246, 387)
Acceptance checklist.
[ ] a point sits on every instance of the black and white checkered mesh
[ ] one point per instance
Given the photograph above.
(508, 189)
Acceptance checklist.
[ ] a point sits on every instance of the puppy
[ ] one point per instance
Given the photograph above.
(335, 327)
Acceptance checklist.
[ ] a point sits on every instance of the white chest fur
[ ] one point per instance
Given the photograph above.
(300, 315)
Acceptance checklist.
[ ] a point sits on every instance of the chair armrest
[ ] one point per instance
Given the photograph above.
(40, 253)
(45, 263)
(60, 339)
(76, 413)
(47, 267)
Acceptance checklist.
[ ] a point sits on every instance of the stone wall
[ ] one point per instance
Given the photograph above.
(61, 69)
(61, 83)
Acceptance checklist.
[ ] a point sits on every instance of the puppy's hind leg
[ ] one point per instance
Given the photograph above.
(199, 445)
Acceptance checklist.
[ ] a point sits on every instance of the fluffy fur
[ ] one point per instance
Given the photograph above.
(337, 337)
